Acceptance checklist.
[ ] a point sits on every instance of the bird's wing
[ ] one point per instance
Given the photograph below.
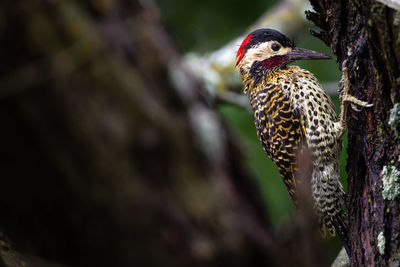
(281, 130)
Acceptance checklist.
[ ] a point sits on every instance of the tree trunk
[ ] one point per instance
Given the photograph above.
(108, 162)
(366, 34)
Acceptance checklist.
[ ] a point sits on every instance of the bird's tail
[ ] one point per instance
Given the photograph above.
(329, 199)
(339, 221)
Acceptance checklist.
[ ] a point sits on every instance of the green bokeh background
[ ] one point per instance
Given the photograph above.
(204, 26)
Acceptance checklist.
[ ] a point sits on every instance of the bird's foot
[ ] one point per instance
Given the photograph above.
(354, 102)
(345, 98)
(344, 87)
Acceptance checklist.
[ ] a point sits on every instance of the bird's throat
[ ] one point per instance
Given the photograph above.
(266, 66)
(260, 70)
(274, 62)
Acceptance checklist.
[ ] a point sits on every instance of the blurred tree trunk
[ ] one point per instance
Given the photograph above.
(110, 154)
(366, 33)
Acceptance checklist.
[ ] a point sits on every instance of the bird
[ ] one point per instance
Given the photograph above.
(295, 119)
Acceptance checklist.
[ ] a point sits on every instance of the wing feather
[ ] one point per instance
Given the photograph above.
(281, 131)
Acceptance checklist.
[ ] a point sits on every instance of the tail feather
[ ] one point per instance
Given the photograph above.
(329, 199)
(343, 232)
(322, 227)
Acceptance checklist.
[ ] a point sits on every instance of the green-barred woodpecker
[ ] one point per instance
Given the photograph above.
(295, 118)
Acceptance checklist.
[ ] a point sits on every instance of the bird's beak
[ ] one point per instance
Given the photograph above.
(300, 53)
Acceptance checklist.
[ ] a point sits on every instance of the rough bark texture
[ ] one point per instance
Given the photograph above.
(106, 162)
(366, 33)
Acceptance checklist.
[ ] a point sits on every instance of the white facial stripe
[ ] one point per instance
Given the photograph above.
(262, 52)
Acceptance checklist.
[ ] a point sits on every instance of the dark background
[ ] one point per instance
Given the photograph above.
(101, 165)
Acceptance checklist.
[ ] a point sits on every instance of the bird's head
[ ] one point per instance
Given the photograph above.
(269, 49)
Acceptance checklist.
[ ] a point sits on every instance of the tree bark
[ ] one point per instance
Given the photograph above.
(109, 162)
(366, 34)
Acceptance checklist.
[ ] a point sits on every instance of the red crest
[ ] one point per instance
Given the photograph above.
(239, 54)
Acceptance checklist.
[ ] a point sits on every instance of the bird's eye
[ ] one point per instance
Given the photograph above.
(275, 47)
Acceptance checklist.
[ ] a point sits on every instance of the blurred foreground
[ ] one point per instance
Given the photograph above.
(106, 162)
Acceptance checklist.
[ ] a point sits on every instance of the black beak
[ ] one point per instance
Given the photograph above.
(300, 53)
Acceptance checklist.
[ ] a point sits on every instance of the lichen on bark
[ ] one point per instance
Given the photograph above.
(391, 182)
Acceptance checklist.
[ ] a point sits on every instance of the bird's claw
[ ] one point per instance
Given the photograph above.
(354, 107)
(354, 102)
